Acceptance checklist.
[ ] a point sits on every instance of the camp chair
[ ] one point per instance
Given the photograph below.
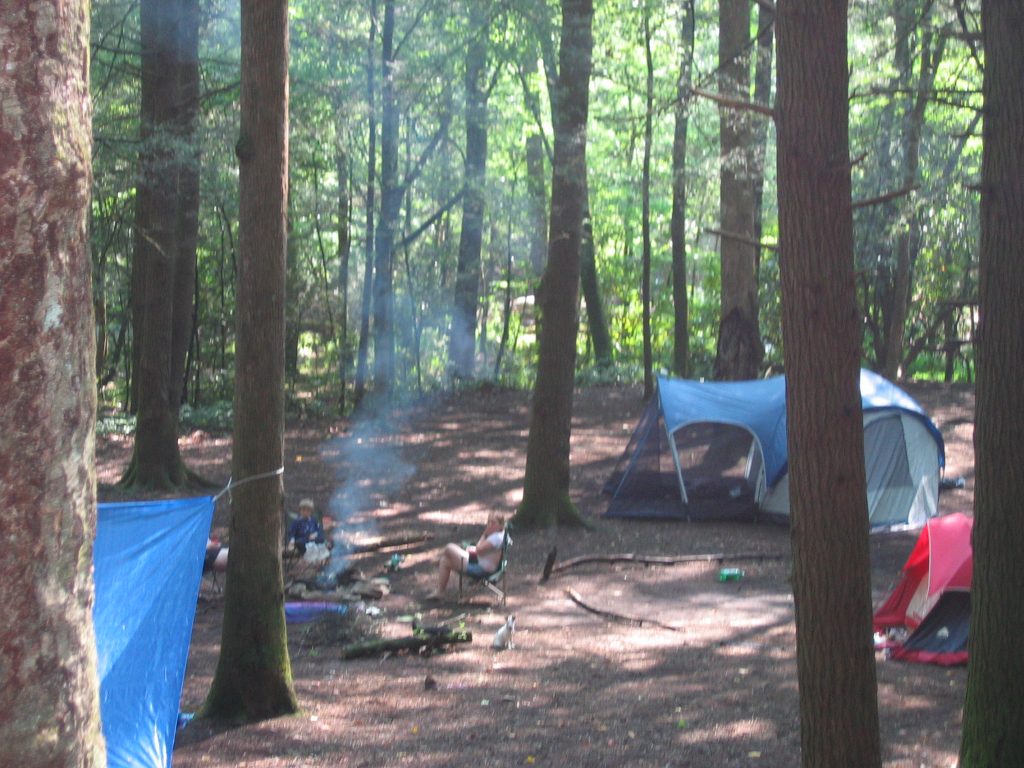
(496, 581)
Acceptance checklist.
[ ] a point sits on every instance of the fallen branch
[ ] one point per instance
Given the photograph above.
(717, 557)
(634, 620)
(414, 643)
(400, 542)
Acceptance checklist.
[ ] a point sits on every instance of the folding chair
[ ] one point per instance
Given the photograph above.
(495, 581)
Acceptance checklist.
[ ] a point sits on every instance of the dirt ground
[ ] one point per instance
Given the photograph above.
(712, 683)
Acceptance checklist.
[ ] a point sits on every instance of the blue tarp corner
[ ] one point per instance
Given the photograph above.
(148, 559)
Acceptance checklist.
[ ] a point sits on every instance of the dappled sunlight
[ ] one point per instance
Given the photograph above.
(717, 686)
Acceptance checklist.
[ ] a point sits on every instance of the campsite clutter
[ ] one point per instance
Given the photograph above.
(744, 623)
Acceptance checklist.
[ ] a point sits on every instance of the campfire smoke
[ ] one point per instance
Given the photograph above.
(368, 469)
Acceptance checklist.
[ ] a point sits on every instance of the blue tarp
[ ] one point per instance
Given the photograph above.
(760, 407)
(148, 563)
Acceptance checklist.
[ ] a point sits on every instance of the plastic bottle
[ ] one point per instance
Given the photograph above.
(730, 574)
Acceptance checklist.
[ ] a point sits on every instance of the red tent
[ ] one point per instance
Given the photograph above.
(932, 600)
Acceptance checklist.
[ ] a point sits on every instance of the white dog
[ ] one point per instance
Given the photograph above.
(504, 637)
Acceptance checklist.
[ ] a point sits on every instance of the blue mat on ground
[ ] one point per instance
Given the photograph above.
(148, 561)
(300, 613)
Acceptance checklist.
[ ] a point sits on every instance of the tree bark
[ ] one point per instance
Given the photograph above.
(821, 332)
(366, 308)
(546, 484)
(164, 263)
(49, 696)
(908, 241)
(344, 260)
(762, 96)
(677, 225)
(390, 211)
(739, 340)
(462, 339)
(993, 730)
(253, 678)
(597, 320)
(188, 166)
(536, 189)
(156, 461)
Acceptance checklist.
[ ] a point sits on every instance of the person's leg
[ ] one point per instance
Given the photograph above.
(453, 558)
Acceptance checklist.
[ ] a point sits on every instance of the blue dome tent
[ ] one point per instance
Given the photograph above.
(717, 450)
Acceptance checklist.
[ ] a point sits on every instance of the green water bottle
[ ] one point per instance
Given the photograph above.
(730, 574)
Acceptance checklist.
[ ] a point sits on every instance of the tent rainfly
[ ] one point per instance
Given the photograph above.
(933, 599)
(717, 450)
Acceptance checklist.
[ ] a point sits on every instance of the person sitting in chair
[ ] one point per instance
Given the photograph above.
(305, 530)
(478, 560)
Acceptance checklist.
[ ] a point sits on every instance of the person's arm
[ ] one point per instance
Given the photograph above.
(486, 543)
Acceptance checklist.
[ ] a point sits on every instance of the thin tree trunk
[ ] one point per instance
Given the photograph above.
(993, 729)
(366, 308)
(908, 241)
(739, 340)
(188, 160)
(344, 258)
(253, 679)
(645, 215)
(461, 342)
(390, 210)
(677, 225)
(597, 320)
(822, 336)
(536, 189)
(546, 485)
(762, 96)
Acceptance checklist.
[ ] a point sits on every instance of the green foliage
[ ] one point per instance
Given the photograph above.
(212, 417)
(330, 124)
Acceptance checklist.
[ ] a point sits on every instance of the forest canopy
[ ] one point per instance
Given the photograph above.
(419, 140)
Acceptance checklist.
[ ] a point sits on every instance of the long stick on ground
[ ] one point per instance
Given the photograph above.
(634, 620)
(398, 542)
(373, 647)
(715, 557)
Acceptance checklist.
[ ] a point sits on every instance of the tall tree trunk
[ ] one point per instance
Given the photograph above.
(546, 485)
(390, 211)
(739, 340)
(762, 96)
(645, 215)
(821, 332)
(536, 190)
(253, 679)
(908, 241)
(344, 258)
(677, 226)
(188, 160)
(49, 699)
(993, 730)
(597, 320)
(461, 342)
(293, 302)
(156, 462)
(366, 307)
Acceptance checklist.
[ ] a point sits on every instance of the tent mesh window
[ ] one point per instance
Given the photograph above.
(721, 464)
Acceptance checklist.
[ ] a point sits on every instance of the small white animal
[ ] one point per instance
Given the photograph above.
(504, 637)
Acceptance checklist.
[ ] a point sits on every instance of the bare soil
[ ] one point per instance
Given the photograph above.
(711, 683)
